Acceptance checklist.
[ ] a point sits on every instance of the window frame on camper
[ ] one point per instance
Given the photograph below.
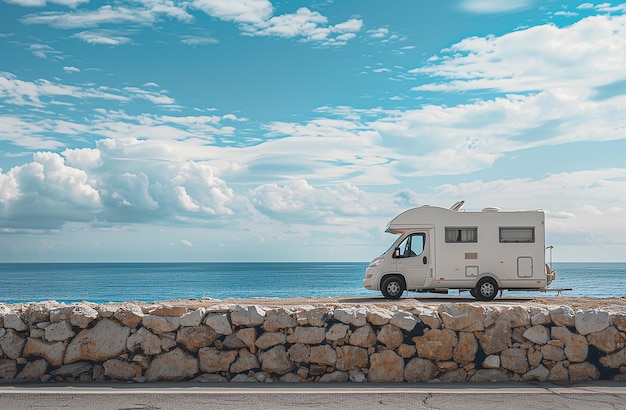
(458, 232)
(516, 234)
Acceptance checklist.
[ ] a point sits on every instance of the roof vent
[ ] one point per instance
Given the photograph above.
(491, 209)
(457, 205)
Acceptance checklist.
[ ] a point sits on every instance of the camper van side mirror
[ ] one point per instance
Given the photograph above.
(396, 252)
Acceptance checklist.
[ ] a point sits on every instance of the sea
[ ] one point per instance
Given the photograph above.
(150, 282)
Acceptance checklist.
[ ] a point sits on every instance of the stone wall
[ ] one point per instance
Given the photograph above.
(449, 343)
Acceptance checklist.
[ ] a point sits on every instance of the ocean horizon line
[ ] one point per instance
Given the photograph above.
(224, 262)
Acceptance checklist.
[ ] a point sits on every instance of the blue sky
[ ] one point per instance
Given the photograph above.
(209, 130)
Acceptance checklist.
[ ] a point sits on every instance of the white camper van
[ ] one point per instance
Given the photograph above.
(438, 249)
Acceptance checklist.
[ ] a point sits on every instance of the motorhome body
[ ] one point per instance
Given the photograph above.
(438, 249)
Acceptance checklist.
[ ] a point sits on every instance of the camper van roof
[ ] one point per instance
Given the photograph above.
(423, 216)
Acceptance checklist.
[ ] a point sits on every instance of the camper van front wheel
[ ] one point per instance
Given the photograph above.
(392, 287)
(486, 289)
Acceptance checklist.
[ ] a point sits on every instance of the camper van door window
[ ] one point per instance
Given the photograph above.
(412, 245)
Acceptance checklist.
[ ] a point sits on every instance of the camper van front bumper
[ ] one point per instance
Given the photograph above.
(369, 281)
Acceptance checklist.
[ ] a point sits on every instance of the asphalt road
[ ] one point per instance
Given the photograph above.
(189, 396)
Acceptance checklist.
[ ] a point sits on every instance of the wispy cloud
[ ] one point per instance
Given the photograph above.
(42, 3)
(254, 18)
(514, 63)
(495, 6)
(106, 37)
(198, 40)
(70, 69)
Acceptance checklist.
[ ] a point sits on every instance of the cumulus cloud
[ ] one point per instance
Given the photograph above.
(256, 18)
(307, 25)
(46, 193)
(94, 185)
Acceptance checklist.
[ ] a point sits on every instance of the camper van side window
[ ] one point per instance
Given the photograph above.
(461, 235)
(517, 234)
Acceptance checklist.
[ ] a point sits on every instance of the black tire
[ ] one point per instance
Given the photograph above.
(473, 293)
(392, 287)
(486, 289)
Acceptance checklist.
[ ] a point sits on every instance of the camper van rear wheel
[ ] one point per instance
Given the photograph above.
(392, 287)
(486, 289)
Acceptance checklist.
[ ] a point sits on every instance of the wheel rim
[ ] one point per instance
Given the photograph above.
(393, 288)
(486, 289)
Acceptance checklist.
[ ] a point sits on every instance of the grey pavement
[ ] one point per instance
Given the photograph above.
(187, 395)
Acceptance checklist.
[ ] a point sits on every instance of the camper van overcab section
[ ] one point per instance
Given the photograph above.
(438, 249)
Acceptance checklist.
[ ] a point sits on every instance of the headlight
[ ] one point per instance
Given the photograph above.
(376, 262)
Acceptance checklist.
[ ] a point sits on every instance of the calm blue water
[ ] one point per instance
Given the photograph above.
(118, 282)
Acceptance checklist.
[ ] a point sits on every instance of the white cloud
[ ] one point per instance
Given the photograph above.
(307, 25)
(43, 51)
(256, 18)
(238, 11)
(198, 40)
(45, 194)
(92, 18)
(70, 69)
(577, 204)
(298, 201)
(106, 37)
(100, 185)
(379, 33)
(187, 243)
(19, 92)
(24, 133)
(41, 92)
(495, 6)
(83, 158)
(587, 54)
(42, 3)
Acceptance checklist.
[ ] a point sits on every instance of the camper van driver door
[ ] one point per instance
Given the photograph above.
(414, 259)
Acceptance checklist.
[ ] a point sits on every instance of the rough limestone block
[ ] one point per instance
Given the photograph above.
(213, 360)
(59, 331)
(608, 340)
(276, 360)
(174, 365)
(464, 317)
(386, 367)
(590, 321)
(247, 316)
(193, 318)
(220, 323)
(391, 336)
(106, 340)
(363, 336)
(538, 335)
(276, 319)
(420, 370)
(12, 344)
(52, 352)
